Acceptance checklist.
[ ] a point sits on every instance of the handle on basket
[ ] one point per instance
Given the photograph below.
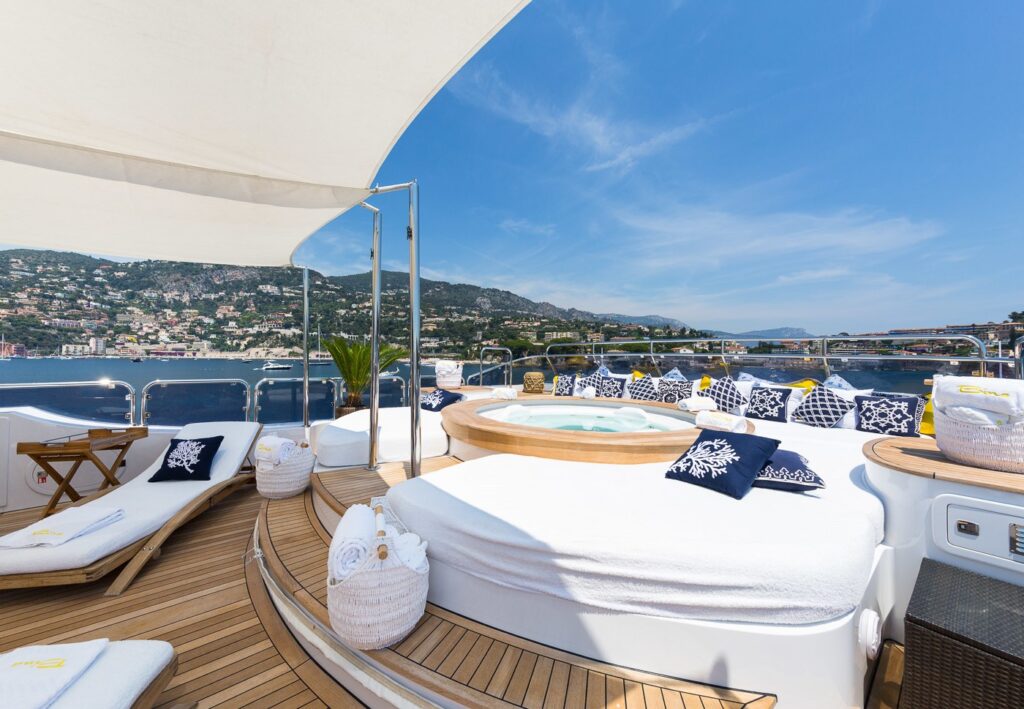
(382, 549)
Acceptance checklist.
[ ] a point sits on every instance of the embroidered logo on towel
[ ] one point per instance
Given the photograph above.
(711, 457)
(47, 533)
(50, 663)
(971, 389)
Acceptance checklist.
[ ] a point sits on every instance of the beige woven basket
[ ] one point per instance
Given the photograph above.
(991, 447)
(288, 478)
(533, 382)
(379, 603)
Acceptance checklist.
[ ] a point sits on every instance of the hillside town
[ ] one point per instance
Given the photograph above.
(69, 305)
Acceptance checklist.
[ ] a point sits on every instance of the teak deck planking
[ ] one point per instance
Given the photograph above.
(922, 457)
(467, 662)
(201, 597)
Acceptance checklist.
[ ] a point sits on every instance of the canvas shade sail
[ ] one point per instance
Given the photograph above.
(221, 131)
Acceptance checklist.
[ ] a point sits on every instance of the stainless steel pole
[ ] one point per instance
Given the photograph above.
(375, 287)
(413, 234)
(305, 347)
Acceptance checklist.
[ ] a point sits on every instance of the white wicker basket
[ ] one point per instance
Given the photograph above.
(379, 603)
(991, 447)
(288, 478)
(448, 374)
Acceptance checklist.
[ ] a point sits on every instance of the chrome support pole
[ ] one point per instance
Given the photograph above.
(305, 347)
(375, 288)
(413, 234)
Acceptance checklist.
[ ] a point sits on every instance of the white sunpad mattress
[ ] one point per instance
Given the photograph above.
(624, 538)
(147, 506)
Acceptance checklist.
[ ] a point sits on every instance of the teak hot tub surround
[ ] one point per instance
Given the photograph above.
(464, 423)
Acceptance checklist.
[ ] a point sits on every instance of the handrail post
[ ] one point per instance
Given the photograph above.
(305, 348)
(413, 234)
(375, 288)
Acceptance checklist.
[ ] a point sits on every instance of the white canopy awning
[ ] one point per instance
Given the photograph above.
(223, 132)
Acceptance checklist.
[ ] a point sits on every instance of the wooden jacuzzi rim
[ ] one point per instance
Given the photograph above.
(464, 423)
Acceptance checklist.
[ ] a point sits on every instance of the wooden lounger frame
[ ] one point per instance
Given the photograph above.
(138, 553)
(149, 696)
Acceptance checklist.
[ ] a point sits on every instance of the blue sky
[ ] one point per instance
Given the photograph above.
(737, 165)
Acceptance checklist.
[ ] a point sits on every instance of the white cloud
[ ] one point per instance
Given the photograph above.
(525, 226)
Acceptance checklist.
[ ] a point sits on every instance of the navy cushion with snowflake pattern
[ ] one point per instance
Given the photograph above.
(724, 462)
(565, 384)
(889, 414)
(787, 470)
(188, 459)
(769, 403)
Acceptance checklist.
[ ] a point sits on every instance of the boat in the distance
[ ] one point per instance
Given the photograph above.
(270, 364)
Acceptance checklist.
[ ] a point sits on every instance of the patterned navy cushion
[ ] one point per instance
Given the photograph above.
(725, 394)
(822, 408)
(565, 384)
(788, 471)
(610, 387)
(591, 380)
(724, 462)
(769, 403)
(672, 392)
(890, 415)
(438, 399)
(188, 459)
(643, 389)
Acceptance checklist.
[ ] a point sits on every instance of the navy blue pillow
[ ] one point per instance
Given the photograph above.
(769, 403)
(890, 414)
(788, 471)
(438, 399)
(611, 387)
(724, 462)
(188, 459)
(565, 385)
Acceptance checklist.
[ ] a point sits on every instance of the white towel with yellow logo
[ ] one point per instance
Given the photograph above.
(62, 527)
(34, 677)
(271, 451)
(1000, 396)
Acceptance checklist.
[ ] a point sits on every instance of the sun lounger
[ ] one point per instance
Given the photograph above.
(127, 674)
(152, 511)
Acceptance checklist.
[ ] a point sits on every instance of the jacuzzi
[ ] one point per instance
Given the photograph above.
(602, 431)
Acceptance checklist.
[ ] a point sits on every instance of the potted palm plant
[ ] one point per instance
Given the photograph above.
(352, 358)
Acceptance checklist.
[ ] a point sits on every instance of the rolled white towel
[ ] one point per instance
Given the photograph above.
(62, 527)
(1000, 396)
(353, 538)
(588, 393)
(975, 417)
(721, 421)
(274, 450)
(412, 551)
(505, 393)
(37, 675)
(698, 403)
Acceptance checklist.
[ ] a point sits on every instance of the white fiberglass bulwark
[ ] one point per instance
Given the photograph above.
(222, 132)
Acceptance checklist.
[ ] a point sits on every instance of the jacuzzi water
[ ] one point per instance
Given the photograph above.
(581, 417)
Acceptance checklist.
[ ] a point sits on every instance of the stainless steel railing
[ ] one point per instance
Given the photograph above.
(129, 416)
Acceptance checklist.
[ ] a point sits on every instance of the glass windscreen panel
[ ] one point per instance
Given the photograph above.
(91, 402)
(281, 401)
(180, 403)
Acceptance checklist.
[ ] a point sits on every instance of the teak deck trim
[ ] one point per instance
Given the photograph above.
(455, 657)
(462, 421)
(922, 457)
(138, 553)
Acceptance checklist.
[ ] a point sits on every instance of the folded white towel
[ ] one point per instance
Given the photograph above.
(412, 551)
(34, 677)
(62, 527)
(352, 540)
(506, 393)
(447, 367)
(698, 403)
(1000, 396)
(975, 417)
(588, 393)
(721, 421)
(274, 450)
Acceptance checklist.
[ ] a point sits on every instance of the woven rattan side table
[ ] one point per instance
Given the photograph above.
(965, 641)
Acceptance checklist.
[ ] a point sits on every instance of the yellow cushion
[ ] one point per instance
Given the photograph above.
(705, 382)
(928, 420)
(637, 375)
(805, 384)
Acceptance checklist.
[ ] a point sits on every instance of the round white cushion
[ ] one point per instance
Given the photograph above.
(346, 441)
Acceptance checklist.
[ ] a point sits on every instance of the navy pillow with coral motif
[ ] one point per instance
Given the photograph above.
(788, 471)
(724, 462)
(188, 459)
(438, 399)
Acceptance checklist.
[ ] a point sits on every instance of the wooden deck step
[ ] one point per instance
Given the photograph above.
(454, 657)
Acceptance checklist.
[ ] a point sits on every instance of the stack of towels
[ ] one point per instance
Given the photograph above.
(355, 539)
(980, 401)
(36, 676)
(62, 527)
(271, 451)
(721, 421)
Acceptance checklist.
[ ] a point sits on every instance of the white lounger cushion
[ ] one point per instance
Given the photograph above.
(346, 441)
(147, 506)
(118, 676)
(624, 538)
